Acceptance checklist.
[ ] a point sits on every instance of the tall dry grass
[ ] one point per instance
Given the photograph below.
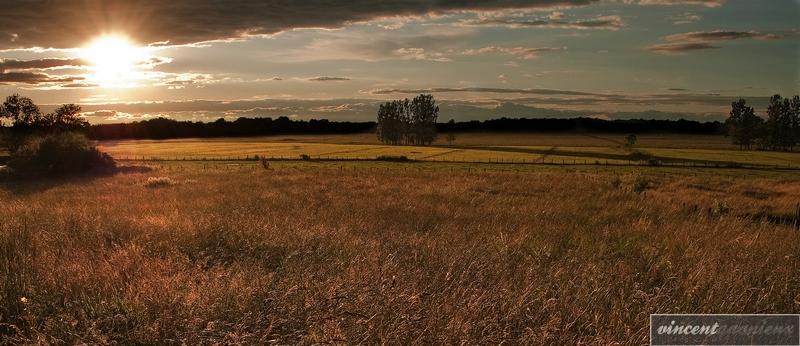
(365, 257)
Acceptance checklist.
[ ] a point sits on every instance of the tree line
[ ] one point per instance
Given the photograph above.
(779, 131)
(408, 121)
(584, 124)
(403, 122)
(164, 128)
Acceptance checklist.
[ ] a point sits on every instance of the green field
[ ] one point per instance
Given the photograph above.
(480, 148)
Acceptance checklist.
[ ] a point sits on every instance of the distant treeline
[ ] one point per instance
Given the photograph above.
(163, 128)
(585, 125)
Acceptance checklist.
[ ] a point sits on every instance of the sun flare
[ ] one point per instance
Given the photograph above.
(114, 61)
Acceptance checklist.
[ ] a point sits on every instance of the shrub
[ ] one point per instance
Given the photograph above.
(654, 162)
(641, 184)
(393, 158)
(616, 182)
(157, 182)
(264, 162)
(721, 208)
(305, 157)
(60, 154)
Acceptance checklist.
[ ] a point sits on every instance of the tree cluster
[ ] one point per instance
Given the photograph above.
(408, 121)
(26, 116)
(51, 144)
(779, 131)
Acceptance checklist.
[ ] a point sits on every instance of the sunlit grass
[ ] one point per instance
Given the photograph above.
(571, 151)
(314, 252)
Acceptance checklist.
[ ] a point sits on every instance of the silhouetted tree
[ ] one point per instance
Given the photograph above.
(21, 110)
(743, 124)
(794, 115)
(408, 122)
(390, 123)
(424, 112)
(64, 118)
(779, 129)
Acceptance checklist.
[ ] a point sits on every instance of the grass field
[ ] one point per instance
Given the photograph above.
(368, 253)
(530, 148)
(379, 252)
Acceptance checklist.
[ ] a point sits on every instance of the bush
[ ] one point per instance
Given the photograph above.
(641, 184)
(654, 162)
(616, 183)
(393, 158)
(305, 157)
(264, 162)
(60, 154)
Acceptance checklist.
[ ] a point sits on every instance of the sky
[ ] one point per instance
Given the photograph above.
(128, 60)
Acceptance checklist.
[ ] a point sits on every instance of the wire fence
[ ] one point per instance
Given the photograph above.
(506, 161)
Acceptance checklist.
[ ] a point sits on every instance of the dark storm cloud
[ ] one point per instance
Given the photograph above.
(39, 64)
(605, 23)
(71, 23)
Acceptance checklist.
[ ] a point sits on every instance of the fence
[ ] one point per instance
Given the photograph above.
(507, 161)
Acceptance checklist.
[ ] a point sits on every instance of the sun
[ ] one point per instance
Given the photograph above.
(113, 60)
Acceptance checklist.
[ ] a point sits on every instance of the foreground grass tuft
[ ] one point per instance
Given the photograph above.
(156, 182)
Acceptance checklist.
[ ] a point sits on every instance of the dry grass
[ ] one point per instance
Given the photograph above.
(473, 147)
(245, 255)
(157, 182)
(486, 139)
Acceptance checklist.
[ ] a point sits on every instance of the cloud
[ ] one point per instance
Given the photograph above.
(78, 85)
(701, 40)
(598, 23)
(428, 46)
(480, 90)
(518, 52)
(39, 64)
(677, 48)
(684, 18)
(705, 3)
(721, 35)
(175, 81)
(364, 110)
(33, 78)
(327, 79)
(421, 54)
(53, 24)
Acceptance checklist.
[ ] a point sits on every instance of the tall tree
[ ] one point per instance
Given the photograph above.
(391, 123)
(21, 110)
(425, 113)
(794, 114)
(408, 122)
(64, 118)
(779, 124)
(743, 124)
